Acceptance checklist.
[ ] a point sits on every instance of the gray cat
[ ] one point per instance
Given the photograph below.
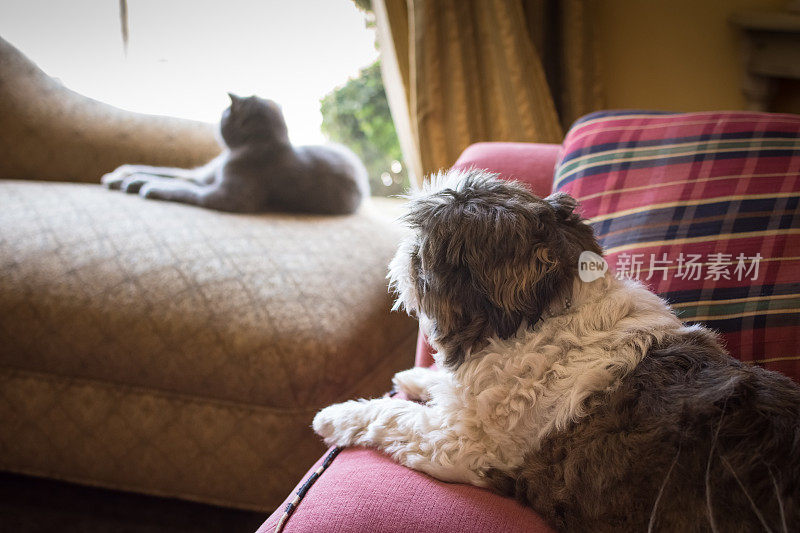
(259, 170)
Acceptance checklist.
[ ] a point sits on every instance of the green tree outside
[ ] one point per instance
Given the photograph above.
(357, 116)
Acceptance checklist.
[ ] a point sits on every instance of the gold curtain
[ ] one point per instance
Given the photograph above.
(464, 71)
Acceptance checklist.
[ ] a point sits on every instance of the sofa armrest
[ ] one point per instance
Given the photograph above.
(48, 132)
(529, 162)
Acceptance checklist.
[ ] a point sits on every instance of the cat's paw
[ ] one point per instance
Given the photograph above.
(339, 424)
(115, 179)
(414, 383)
(134, 183)
(155, 191)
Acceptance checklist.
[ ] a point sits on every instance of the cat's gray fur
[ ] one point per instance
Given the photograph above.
(259, 170)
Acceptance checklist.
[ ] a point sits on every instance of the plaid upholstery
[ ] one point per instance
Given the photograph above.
(702, 207)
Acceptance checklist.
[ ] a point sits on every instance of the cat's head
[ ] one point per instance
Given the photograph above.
(252, 120)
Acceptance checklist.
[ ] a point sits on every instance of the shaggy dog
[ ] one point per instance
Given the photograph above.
(591, 402)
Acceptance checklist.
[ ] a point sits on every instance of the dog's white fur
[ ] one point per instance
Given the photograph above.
(504, 399)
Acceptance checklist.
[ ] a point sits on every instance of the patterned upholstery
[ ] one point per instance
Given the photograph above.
(173, 350)
(718, 190)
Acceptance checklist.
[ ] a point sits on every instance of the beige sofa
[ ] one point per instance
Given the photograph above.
(162, 348)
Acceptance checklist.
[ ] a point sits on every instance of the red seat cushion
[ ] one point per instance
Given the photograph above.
(700, 184)
(363, 491)
(532, 163)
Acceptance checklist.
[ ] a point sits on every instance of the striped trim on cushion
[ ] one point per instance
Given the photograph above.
(705, 209)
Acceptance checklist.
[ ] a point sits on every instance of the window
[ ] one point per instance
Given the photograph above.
(184, 55)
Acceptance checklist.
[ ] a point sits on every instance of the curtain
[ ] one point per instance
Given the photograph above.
(463, 71)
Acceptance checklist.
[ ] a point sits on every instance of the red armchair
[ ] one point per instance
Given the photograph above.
(651, 184)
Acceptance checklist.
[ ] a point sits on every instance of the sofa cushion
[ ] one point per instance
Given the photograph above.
(363, 490)
(273, 314)
(531, 163)
(723, 189)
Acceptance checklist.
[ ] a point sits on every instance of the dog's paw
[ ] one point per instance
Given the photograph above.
(339, 424)
(115, 179)
(414, 382)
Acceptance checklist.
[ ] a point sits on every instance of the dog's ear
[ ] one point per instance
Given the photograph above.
(577, 236)
(486, 263)
(563, 203)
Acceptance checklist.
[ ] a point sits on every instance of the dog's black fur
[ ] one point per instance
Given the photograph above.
(692, 440)
(490, 295)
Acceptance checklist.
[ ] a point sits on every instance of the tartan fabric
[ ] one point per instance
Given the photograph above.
(703, 208)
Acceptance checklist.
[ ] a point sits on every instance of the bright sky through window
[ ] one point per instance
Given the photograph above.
(184, 55)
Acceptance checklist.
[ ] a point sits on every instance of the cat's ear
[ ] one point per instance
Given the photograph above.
(234, 98)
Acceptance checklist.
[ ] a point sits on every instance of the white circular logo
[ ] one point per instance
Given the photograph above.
(591, 266)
